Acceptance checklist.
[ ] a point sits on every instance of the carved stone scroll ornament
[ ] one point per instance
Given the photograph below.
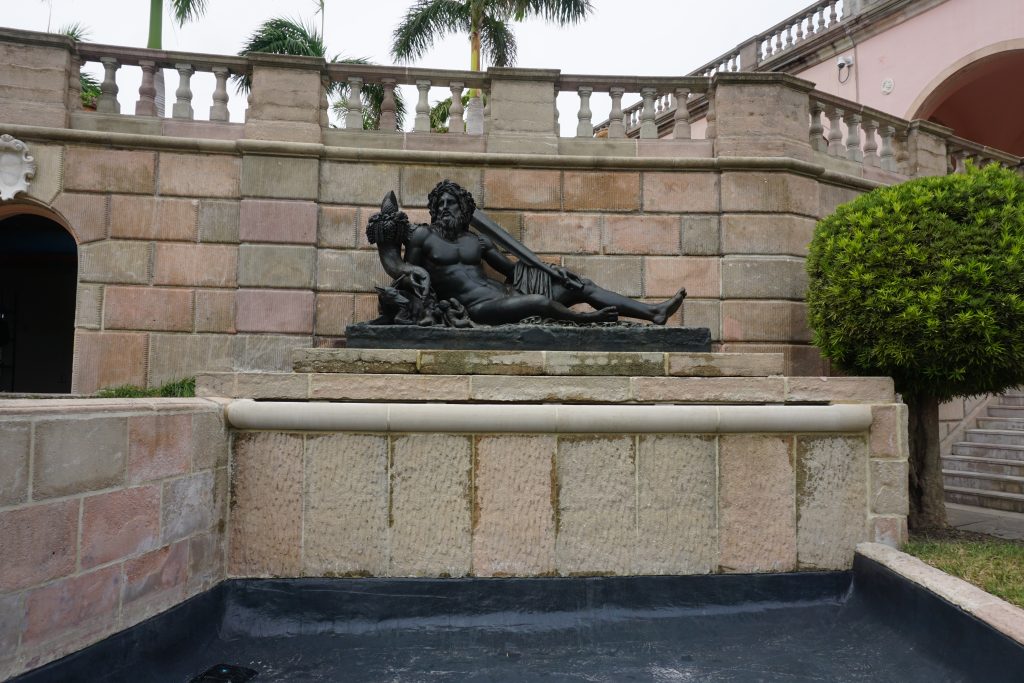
(17, 167)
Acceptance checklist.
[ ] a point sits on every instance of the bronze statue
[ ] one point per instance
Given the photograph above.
(439, 275)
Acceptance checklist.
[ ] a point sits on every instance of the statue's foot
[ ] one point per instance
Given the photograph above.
(664, 310)
(603, 315)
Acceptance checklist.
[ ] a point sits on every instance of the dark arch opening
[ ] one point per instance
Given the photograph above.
(38, 283)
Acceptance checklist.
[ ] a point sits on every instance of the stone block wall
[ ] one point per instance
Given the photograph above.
(110, 512)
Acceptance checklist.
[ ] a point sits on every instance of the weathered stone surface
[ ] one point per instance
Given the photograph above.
(562, 233)
(700, 236)
(766, 234)
(148, 308)
(522, 189)
(264, 265)
(514, 524)
(49, 172)
(359, 361)
(38, 543)
(691, 192)
(338, 227)
(199, 175)
(832, 196)
(841, 389)
(701, 313)
(621, 274)
(765, 321)
(596, 518)
(889, 487)
(175, 356)
(602, 191)
(641, 235)
(287, 178)
(885, 432)
(603, 363)
(418, 181)
(769, 193)
(676, 513)
(14, 462)
(431, 505)
(119, 524)
(349, 271)
(85, 213)
(209, 441)
(764, 277)
(346, 516)
(195, 265)
(266, 500)
(159, 446)
(72, 456)
(12, 621)
(154, 582)
(107, 359)
(830, 492)
(114, 261)
(481, 362)
(274, 310)
(188, 506)
(756, 504)
(548, 389)
(355, 183)
(263, 220)
(709, 389)
(155, 218)
(94, 169)
(724, 364)
(389, 387)
(888, 529)
(272, 385)
(215, 310)
(205, 561)
(334, 312)
(664, 275)
(267, 351)
(218, 221)
(80, 605)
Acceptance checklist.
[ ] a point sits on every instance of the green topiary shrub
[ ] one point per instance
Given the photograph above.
(924, 282)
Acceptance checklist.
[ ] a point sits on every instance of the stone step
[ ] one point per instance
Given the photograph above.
(989, 450)
(1000, 436)
(1012, 399)
(996, 410)
(985, 499)
(1003, 423)
(967, 463)
(983, 481)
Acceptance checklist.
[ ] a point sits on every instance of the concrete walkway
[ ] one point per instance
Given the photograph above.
(983, 521)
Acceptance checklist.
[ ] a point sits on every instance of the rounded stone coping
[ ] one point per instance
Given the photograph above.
(1004, 617)
(546, 418)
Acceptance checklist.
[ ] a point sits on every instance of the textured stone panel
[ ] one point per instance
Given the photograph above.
(677, 523)
(346, 517)
(664, 275)
(562, 233)
(431, 505)
(334, 312)
(209, 441)
(418, 181)
(195, 265)
(549, 389)
(205, 561)
(94, 169)
(514, 526)
(159, 446)
(215, 310)
(349, 271)
(756, 504)
(114, 261)
(889, 489)
(218, 221)
(885, 432)
(830, 493)
(266, 505)
(72, 456)
(280, 177)
(49, 172)
(701, 236)
(75, 606)
(602, 191)
(596, 505)
(188, 506)
(85, 213)
(119, 524)
(841, 389)
(832, 196)
(352, 183)
(725, 364)
(765, 321)
(148, 308)
(764, 277)
(890, 530)
(709, 389)
(12, 621)
(621, 274)
(154, 582)
(766, 234)
(14, 462)
(602, 363)
(153, 218)
(38, 543)
(175, 356)
(89, 306)
(701, 313)
(454, 362)
(264, 265)
(689, 192)
(642, 235)
(277, 221)
(108, 359)
(338, 227)
(769, 193)
(199, 175)
(522, 189)
(390, 387)
(267, 351)
(271, 310)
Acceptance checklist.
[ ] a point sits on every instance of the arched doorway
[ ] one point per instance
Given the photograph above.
(38, 283)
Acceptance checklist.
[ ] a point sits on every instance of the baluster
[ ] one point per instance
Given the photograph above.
(219, 109)
(75, 85)
(455, 123)
(681, 129)
(354, 116)
(784, 39)
(853, 150)
(146, 106)
(183, 104)
(422, 124)
(833, 17)
(388, 120)
(902, 149)
(648, 128)
(870, 144)
(616, 129)
(107, 103)
(835, 133)
(584, 129)
(817, 131)
(887, 160)
(805, 29)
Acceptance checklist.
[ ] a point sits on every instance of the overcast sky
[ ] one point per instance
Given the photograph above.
(640, 37)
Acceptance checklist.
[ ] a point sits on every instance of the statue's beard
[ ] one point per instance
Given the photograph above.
(449, 227)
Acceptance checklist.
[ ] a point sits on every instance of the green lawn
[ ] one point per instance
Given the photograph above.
(993, 564)
(182, 388)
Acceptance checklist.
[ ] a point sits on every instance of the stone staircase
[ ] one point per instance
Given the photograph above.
(987, 468)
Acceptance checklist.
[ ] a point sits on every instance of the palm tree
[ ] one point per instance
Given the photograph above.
(287, 37)
(183, 10)
(90, 84)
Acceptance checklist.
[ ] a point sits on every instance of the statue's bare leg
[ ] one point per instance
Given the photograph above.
(598, 297)
(514, 308)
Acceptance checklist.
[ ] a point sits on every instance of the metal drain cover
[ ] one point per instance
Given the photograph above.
(225, 673)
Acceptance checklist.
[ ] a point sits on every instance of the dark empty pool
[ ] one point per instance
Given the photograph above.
(865, 625)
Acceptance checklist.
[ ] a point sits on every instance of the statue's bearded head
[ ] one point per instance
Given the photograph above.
(451, 207)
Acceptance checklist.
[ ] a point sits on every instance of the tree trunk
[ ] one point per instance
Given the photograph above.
(156, 24)
(927, 497)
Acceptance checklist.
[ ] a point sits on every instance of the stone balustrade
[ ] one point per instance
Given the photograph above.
(961, 152)
(801, 27)
(845, 129)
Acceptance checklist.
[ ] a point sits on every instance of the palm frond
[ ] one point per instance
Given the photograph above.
(441, 112)
(372, 98)
(497, 42)
(425, 22)
(187, 10)
(559, 11)
(76, 31)
(281, 36)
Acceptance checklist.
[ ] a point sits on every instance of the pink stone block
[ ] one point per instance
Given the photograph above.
(119, 524)
(155, 580)
(148, 308)
(86, 213)
(37, 543)
(562, 233)
(277, 221)
(84, 603)
(159, 446)
(642, 235)
(274, 310)
(196, 265)
(155, 218)
(109, 359)
(701, 276)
